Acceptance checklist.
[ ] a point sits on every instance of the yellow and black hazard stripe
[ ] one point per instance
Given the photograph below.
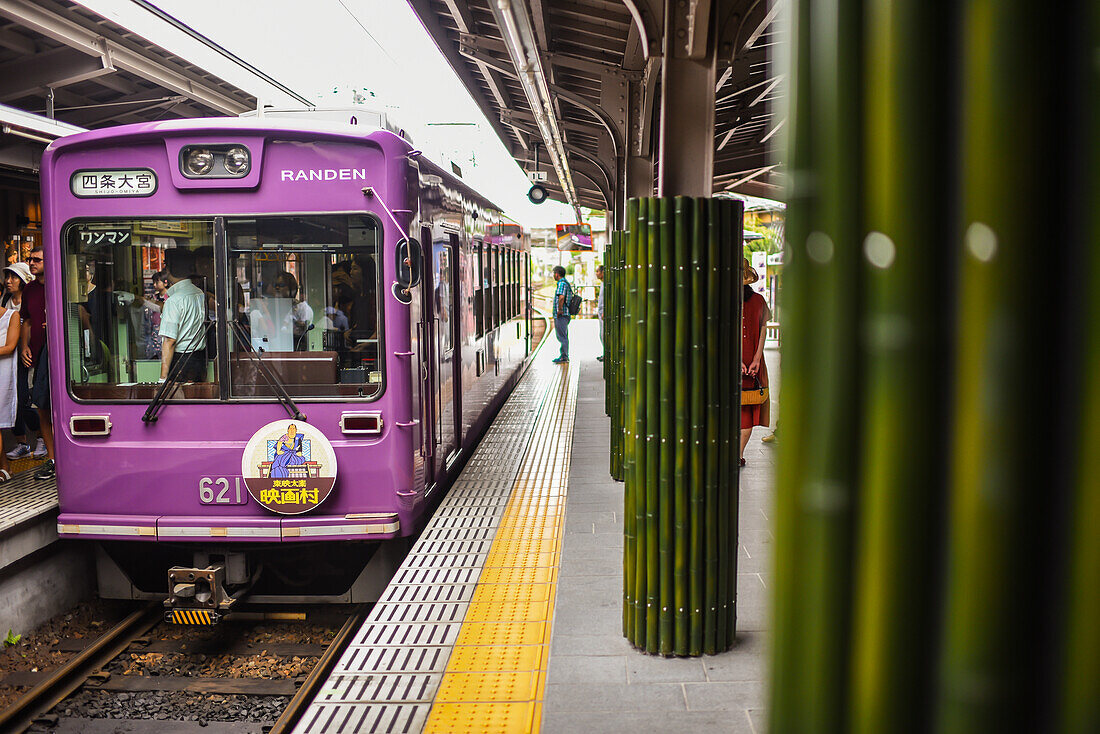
(192, 616)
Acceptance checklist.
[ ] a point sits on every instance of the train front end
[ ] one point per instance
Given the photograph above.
(229, 350)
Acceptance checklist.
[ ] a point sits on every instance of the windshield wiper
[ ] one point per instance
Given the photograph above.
(269, 375)
(169, 384)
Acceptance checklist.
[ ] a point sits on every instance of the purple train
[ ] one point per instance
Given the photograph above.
(338, 331)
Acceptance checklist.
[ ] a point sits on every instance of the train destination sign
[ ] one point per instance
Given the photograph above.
(114, 182)
(289, 467)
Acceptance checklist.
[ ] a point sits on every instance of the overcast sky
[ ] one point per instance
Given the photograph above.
(327, 50)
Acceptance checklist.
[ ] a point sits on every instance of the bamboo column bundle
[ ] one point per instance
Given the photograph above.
(681, 490)
(936, 562)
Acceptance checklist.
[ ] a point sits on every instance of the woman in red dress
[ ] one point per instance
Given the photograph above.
(754, 327)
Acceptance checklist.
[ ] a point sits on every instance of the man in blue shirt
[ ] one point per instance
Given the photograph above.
(562, 295)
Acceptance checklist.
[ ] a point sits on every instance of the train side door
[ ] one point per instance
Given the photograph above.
(429, 360)
(526, 295)
(455, 280)
(442, 307)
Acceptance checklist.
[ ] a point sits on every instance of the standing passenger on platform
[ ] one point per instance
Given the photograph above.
(599, 307)
(754, 327)
(562, 295)
(10, 327)
(34, 352)
(183, 320)
(16, 278)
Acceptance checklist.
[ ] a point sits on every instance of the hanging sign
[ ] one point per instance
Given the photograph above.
(114, 182)
(289, 467)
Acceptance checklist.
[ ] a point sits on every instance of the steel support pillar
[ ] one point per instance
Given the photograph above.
(685, 151)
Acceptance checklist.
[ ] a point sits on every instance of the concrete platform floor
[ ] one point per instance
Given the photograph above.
(596, 681)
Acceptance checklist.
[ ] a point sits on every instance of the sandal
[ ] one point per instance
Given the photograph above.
(5, 475)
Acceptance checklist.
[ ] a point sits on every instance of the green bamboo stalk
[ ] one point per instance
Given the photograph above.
(617, 347)
(828, 490)
(1080, 709)
(896, 592)
(731, 402)
(653, 426)
(698, 417)
(787, 710)
(682, 429)
(630, 529)
(990, 635)
(640, 443)
(666, 370)
(606, 363)
(725, 376)
(710, 428)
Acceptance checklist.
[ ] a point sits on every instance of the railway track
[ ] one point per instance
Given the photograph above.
(87, 671)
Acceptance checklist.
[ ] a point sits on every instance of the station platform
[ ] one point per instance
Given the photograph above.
(40, 575)
(506, 615)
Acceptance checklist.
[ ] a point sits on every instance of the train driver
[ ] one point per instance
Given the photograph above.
(183, 319)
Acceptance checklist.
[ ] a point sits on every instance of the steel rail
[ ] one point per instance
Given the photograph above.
(70, 676)
(312, 684)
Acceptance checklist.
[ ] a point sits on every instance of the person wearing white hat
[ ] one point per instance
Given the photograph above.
(16, 276)
(10, 326)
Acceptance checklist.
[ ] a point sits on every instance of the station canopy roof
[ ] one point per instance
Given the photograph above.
(601, 61)
(102, 74)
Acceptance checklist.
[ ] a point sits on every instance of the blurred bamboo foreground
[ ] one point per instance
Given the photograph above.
(671, 357)
(937, 518)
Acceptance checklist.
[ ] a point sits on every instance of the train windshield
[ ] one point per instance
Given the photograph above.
(299, 293)
(115, 287)
(306, 298)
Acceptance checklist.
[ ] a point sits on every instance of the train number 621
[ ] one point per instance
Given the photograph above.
(215, 491)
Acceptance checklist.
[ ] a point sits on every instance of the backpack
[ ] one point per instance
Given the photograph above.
(575, 304)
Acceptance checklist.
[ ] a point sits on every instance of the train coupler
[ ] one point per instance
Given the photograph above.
(197, 595)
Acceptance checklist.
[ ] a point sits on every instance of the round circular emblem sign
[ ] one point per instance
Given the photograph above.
(289, 467)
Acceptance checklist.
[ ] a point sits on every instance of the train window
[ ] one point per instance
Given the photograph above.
(479, 289)
(305, 300)
(120, 334)
(514, 290)
(490, 279)
(444, 298)
(498, 280)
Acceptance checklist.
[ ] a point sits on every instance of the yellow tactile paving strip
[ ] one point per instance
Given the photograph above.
(496, 675)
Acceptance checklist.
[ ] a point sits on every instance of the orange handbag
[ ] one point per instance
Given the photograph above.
(756, 395)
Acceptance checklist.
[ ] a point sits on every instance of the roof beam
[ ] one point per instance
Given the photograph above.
(66, 30)
(57, 68)
(17, 42)
(737, 165)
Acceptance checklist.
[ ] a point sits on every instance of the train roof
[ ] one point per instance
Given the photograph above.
(392, 143)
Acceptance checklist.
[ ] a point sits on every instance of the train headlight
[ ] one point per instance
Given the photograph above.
(238, 161)
(198, 161)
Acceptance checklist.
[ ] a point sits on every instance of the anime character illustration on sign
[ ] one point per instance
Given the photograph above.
(289, 467)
